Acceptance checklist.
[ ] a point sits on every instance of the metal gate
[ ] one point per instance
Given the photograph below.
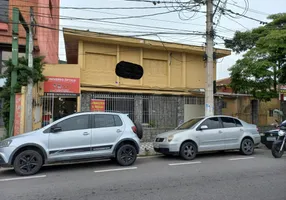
(47, 109)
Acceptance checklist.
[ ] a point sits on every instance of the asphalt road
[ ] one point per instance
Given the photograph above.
(224, 176)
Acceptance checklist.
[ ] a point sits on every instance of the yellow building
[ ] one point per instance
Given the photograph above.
(244, 106)
(162, 98)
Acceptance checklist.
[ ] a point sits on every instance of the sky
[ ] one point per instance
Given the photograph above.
(185, 21)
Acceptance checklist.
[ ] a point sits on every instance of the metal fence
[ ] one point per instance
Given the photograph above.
(153, 111)
(194, 100)
(115, 102)
(47, 103)
(160, 111)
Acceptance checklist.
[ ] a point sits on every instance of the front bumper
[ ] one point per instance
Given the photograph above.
(268, 138)
(166, 148)
(5, 154)
(3, 163)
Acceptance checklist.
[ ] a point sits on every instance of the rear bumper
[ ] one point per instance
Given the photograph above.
(257, 139)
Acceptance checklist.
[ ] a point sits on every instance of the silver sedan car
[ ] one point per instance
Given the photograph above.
(215, 133)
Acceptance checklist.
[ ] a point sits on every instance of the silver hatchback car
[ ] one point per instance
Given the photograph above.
(205, 134)
(86, 135)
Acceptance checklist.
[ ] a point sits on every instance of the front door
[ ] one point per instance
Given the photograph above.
(106, 131)
(211, 139)
(232, 132)
(72, 138)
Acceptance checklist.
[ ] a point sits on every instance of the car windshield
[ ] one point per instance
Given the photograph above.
(189, 124)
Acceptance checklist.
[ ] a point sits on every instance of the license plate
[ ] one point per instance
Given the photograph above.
(272, 139)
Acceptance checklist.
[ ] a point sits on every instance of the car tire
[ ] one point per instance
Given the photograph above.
(247, 147)
(188, 151)
(27, 163)
(139, 130)
(126, 155)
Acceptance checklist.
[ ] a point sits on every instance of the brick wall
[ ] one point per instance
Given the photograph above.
(46, 39)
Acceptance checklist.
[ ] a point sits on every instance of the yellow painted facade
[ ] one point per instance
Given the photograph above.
(169, 68)
(241, 108)
(162, 70)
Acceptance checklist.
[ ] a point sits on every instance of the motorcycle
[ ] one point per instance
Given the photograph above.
(279, 145)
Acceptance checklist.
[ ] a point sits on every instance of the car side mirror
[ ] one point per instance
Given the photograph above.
(56, 129)
(204, 127)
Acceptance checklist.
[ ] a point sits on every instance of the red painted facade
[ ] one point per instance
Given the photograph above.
(46, 40)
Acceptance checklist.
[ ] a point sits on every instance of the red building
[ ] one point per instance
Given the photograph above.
(46, 40)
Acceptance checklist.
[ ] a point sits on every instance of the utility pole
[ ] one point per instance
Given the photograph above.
(29, 92)
(15, 48)
(209, 96)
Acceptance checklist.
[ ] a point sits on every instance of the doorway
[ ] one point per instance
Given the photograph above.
(56, 107)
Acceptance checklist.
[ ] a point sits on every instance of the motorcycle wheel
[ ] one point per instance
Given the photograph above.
(275, 151)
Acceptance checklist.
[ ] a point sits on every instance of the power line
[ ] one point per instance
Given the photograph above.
(119, 23)
(250, 10)
(247, 17)
(170, 21)
(94, 8)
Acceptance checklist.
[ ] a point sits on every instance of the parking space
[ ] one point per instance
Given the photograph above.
(99, 167)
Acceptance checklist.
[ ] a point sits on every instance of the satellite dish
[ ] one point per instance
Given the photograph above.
(129, 70)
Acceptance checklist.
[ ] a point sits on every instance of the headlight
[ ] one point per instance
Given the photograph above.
(5, 143)
(281, 133)
(170, 138)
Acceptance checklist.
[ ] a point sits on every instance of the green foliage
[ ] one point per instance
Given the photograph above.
(24, 75)
(264, 63)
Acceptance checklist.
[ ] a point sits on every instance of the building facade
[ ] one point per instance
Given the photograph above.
(168, 94)
(245, 107)
(46, 38)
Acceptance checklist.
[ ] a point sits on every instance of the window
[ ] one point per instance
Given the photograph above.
(4, 4)
(238, 123)
(74, 123)
(228, 122)
(103, 121)
(146, 111)
(189, 124)
(271, 113)
(212, 123)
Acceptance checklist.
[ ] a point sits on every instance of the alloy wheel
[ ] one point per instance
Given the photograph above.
(247, 147)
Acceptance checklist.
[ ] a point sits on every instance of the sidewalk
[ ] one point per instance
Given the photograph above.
(146, 149)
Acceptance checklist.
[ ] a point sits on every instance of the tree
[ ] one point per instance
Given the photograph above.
(263, 66)
(24, 75)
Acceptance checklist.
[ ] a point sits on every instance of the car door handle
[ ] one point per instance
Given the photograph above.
(220, 132)
(241, 130)
(118, 131)
(85, 133)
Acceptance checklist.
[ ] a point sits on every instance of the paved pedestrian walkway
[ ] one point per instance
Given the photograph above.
(146, 149)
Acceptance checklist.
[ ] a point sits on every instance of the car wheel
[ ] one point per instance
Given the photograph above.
(188, 151)
(126, 155)
(268, 145)
(247, 147)
(27, 163)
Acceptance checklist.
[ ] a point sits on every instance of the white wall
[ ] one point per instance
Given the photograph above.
(192, 111)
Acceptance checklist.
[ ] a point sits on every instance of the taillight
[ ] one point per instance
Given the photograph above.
(134, 129)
